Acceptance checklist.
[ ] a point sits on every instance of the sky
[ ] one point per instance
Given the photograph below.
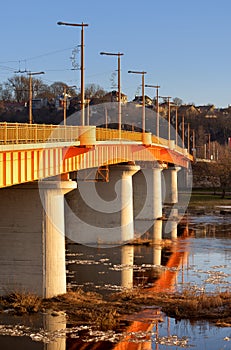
(183, 45)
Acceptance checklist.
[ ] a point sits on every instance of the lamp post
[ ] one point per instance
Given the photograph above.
(176, 128)
(65, 87)
(209, 147)
(188, 137)
(143, 97)
(31, 94)
(169, 114)
(82, 25)
(119, 54)
(157, 108)
(183, 132)
(176, 125)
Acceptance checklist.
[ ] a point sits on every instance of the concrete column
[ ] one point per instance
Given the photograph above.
(157, 231)
(170, 189)
(157, 255)
(127, 260)
(170, 229)
(32, 243)
(52, 194)
(156, 246)
(53, 325)
(147, 193)
(101, 213)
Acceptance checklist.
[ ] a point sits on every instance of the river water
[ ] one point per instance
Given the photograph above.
(200, 260)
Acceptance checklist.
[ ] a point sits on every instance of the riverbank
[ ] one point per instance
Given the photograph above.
(113, 312)
(208, 199)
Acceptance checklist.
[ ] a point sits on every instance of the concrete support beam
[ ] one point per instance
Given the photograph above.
(169, 185)
(148, 193)
(99, 213)
(127, 261)
(52, 194)
(32, 242)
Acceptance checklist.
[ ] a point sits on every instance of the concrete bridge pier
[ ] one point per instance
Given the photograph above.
(170, 229)
(156, 232)
(147, 193)
(170, 185)
(32, 241)
(127, 261)
(52, 195)
(101, 213)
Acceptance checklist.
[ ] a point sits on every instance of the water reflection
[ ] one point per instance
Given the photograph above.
(40, 332)
(127, 260)
(200, 261)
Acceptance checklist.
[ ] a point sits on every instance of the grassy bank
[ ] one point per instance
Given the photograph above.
(208, 199)
(90, 308)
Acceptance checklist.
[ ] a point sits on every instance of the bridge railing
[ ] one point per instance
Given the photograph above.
(103, 134)
(15, 133)
(22, 133)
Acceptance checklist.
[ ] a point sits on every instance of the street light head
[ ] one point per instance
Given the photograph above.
(152, 86)
(137, 72)
(72, 24)
(112, 53)
(35, 73)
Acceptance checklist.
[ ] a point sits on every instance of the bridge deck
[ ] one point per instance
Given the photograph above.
(30, 152)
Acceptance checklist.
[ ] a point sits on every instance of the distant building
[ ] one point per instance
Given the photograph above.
(206, 109)
(113, 96)
(59, 102)
(139, 100)
(38, 103)
(188, 110)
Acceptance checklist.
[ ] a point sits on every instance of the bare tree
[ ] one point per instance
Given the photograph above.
(177, 101)
(222, 169)
(94, 90)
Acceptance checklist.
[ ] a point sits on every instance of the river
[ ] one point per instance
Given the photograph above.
(200, 260)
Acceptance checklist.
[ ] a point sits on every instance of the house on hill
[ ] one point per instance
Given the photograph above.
(188, 110)
(113, 96)
(139, 101)
(206, 109)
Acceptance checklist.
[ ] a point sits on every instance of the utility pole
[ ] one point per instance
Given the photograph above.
(82, 68)
(143, 97)
(169, 114)
(183, 132)
(119, 54)
(65, 87)
(31, 94)
(188, 138)
(157, 108)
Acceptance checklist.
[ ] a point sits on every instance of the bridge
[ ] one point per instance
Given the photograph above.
(87, 182)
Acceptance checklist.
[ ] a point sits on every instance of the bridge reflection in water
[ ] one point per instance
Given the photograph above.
(154, 267)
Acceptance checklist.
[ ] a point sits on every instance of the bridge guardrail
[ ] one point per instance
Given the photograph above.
(15, 133)
(22, 133)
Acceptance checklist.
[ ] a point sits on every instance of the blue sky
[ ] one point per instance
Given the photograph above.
(184, 45)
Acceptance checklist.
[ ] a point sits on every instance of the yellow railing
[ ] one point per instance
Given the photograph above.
(103, 134)
(14, 133)
(22, 133)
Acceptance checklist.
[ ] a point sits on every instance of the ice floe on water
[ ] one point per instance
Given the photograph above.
(88, 335)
